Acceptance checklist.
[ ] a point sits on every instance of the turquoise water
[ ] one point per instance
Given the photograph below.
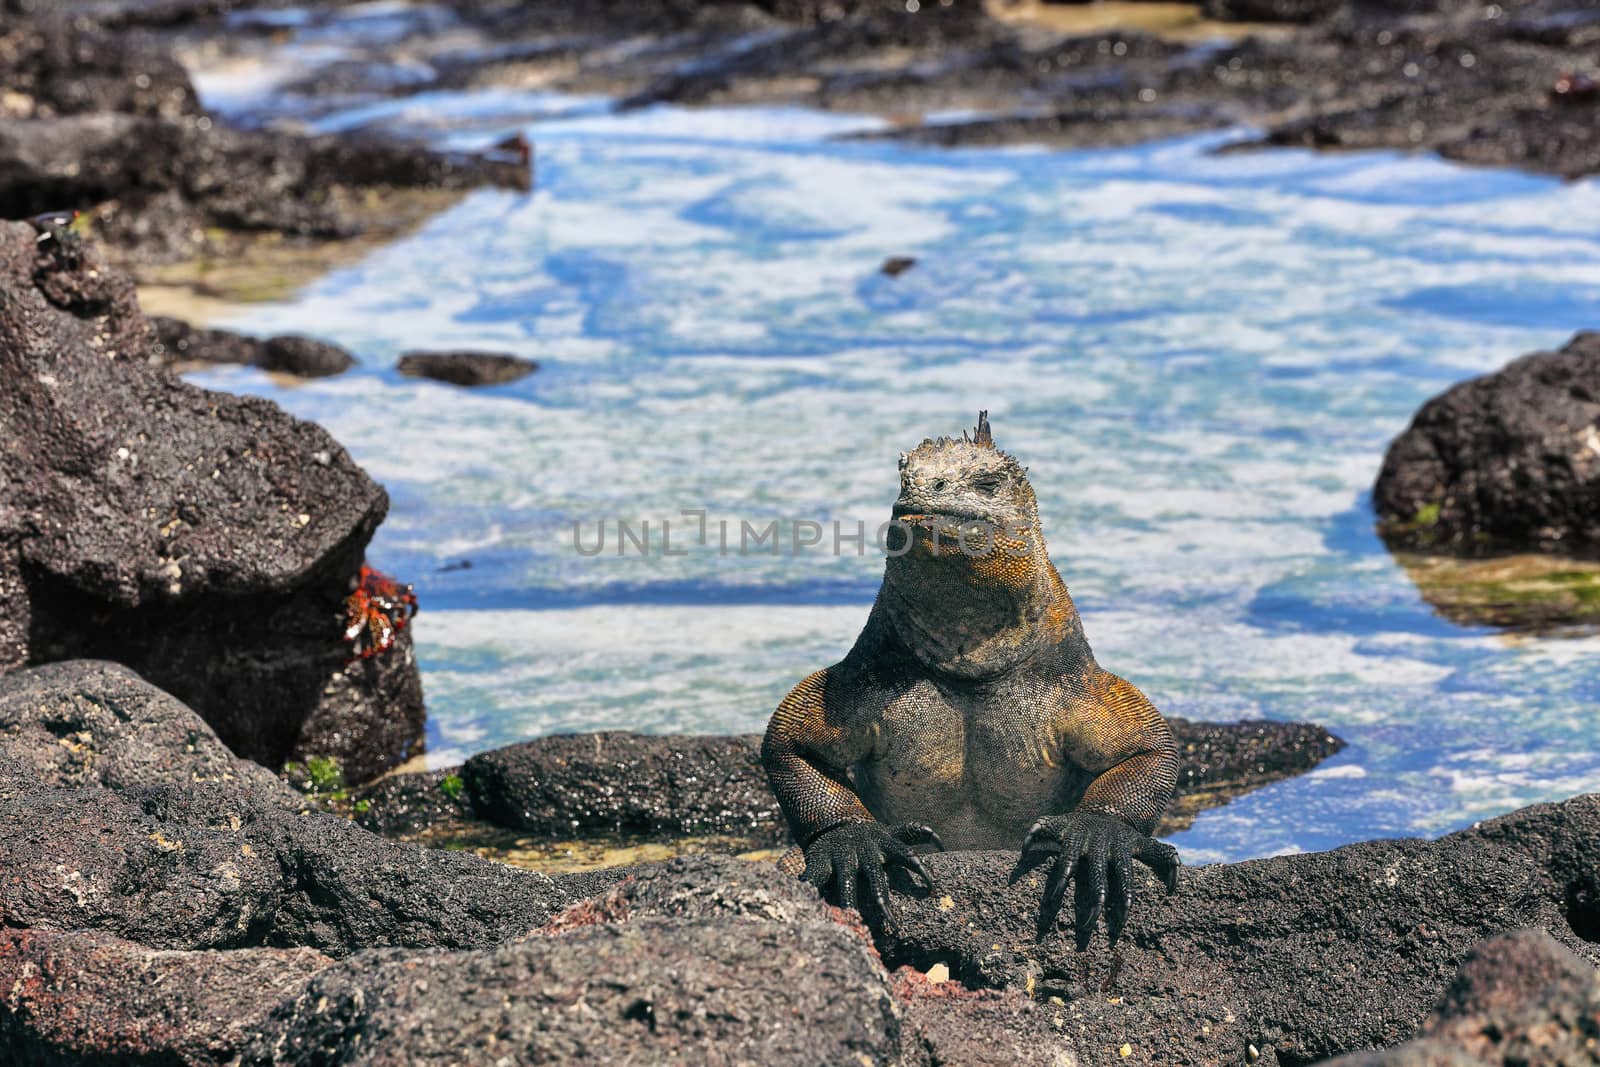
(1200, 358)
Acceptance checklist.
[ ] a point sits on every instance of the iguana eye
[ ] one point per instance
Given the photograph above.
(988, 483)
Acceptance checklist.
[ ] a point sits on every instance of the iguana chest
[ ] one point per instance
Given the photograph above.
(978, 767)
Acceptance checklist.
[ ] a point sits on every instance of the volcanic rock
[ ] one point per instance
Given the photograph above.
(466, 368)
(1519, 998)
(1301, 957)
(206, 540)
(573, 784)
(305, 357)
(1509, 461)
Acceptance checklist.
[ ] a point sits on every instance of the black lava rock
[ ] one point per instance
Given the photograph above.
(466, 368)
(206, 540)
(305, 357)
(1509, 461)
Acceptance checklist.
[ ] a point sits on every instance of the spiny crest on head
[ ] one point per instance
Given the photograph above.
(981, 436)
(978, 440)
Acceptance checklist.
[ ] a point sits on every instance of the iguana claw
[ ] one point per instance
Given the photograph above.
(855, 851)
(1099, 850)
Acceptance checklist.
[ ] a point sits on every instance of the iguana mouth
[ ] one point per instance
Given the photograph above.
(915, 517)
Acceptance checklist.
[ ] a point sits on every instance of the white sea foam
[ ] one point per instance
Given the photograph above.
(1201, 358)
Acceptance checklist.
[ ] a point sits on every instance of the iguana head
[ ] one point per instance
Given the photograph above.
(968, 583)
(965, 480)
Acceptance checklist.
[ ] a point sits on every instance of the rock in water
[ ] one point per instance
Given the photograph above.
(466, 368)
(305, 357)
(205, 540)
(1506, 462)
(182, 344)
(612, 781)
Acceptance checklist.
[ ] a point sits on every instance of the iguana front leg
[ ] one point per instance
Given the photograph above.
(1112, 729)
(806, 754)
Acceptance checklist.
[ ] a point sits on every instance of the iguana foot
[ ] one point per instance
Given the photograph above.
(853, 852)
(1099, 850)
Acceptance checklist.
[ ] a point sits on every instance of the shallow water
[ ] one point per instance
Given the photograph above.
(1200, 358)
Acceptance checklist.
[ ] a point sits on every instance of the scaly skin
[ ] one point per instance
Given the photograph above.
(971, 712)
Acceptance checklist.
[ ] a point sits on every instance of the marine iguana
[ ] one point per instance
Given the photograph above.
(971, 712)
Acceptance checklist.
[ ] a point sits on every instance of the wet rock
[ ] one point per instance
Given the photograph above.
(108, 123)
(205, 540)
(305, 357)
(1219, 761)
(1079, 128)
(1575, 27)
(1272, 10)
(1519, 998)
(466, 368)
(1505, 462)
(1303, 957)
(1554, 140)
(399, 805)
(66, 997)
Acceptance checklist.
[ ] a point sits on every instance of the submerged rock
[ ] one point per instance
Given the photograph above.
(206, 540)
(1506, 462)
(466, 368)
(1525, 594)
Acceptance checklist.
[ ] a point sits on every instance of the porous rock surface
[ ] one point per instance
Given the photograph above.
(1520, 998)
(1301, 957)
(197, 917)
(204, 539)
(1503, 462)
(200, 850)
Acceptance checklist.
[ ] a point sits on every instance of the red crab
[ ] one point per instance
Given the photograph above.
(379, 609)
